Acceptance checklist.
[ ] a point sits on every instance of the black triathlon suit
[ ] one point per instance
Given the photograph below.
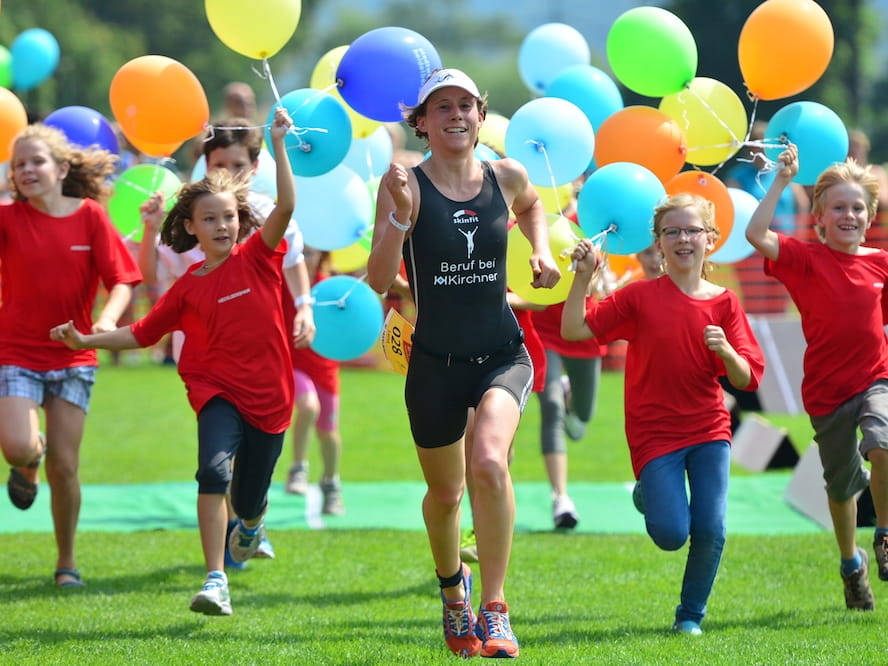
(467, 338)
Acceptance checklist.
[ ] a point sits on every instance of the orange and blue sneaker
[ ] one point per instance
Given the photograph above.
(460, 622)
(495, 631)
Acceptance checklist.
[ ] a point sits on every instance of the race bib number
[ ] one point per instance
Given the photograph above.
(397, 334)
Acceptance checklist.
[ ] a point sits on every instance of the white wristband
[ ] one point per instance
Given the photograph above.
(304, 300)
(397, 225)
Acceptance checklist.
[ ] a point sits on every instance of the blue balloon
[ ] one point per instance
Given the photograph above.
(553, 139)
(85, 127)
(817, 130)
(334, 210)
(348, 317)
(619, 198)
(485, 153)
(370, 157)
(35, 56)
(736, 247)
(590, 89)
(548, 49)
(321, 132)
(383, 69)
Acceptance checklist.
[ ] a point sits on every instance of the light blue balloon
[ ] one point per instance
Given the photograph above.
(817, 130)
(590, 89)
(334, 209)
(35, 56)
(485, 153)
(370, 157)
(322, 131)
(548, 49)
(553, 139)
(620, 198)
(348, 317)
(736, 247)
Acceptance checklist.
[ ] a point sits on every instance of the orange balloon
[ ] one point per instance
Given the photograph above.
(13, 119)
(154, 149)
(709, 187)
(784, 47)
(158, 100)
(642, 135)
(625, 267)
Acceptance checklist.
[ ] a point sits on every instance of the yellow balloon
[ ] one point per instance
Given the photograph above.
(323, 77)
(258, 29)
(563, 236)
(351, 258)
(493, 132)
(712, 118)
(555, 200)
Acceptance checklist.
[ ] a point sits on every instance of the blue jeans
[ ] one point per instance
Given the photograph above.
(670, 518)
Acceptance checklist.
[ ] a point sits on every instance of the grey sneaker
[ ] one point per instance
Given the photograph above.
(333, 504)
(564, 513)
(858, 593)
(213, 599)
(244, 541)
(881, 548)
(297, 479)
(574, 427)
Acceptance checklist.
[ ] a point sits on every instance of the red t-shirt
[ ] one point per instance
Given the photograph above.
(50, 269)
(673, 398)
(841, 300)
(236, 339)
(548, 325)
(323, 371)
(534, 348)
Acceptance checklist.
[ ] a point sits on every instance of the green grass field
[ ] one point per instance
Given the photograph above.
(369, 597)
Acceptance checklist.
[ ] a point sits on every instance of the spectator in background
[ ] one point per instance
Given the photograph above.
(859, 149)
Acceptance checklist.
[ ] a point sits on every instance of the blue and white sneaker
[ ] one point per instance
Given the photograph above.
(229, 561)
(687, 627)
(213, 599)
(244, 541)
(459, 621)
(265, 550)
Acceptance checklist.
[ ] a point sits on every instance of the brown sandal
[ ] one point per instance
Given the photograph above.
(22, 492)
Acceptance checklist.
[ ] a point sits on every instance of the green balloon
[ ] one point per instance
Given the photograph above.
(5, 68)
(652, 52)
(133, 188)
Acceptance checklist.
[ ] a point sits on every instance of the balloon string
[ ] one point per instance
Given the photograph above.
(340, 302)
(541, 148)
(297, 132)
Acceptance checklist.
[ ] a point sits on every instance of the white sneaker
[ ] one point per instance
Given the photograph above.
(333, 504)
(297, 479)
(564, 513)
(213, 599)
(574, 427)
(244, 542)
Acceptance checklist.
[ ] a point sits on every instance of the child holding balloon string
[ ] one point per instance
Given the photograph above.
(56, 245)
(683, 333)
(226, 305)
(837, 283)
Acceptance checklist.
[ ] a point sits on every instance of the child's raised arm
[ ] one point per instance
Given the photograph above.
(277, 220)
(758, 232)
(573, 317)
(118, 339)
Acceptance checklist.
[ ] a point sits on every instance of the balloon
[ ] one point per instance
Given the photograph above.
(493, 132)
(154, 149)
(84, 127)
(643, 135)
(13, 119)
(712, 118)
(590, 89)
(651, 51)
(323, 77)
(384, 68)
(563, 237)
(133, 188)
(621, 195)
(322, 133)
(486, 153)
(548, 49)
(555, 200)
(257, 31)
(736, 247)
(625, 267)
(5, 68)
(370, 157)
(709, 187)
(818, 132)
(784, 47)
(348, 317)
(35, 56)
(552, 138)
(334, 209)
(352, 258)
(158, 100)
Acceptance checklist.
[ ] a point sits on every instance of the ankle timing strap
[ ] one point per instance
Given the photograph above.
(450, 581)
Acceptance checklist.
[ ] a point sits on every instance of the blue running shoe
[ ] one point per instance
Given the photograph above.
(229, 561)
(495, 631)
(459, 621)
(688, 627)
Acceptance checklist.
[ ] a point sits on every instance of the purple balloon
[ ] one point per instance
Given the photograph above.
(84, 127)
(384, 68)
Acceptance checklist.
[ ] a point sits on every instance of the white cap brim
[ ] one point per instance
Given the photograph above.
(445, 78)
